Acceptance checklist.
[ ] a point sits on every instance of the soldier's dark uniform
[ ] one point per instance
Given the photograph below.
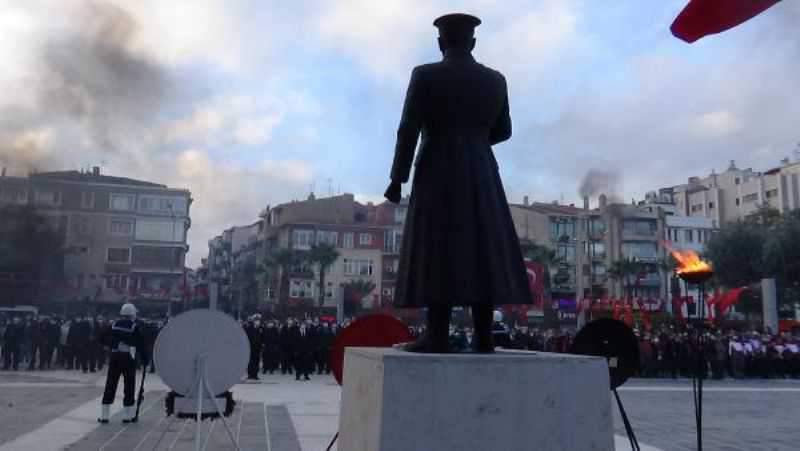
(270, 348)
(253, 332)
(125, 341)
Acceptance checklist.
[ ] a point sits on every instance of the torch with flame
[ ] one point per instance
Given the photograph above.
(691, 267)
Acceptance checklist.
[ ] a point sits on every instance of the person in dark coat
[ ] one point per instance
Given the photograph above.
(270, 348)
(37, 337)
(324, 343)
(52, 333)
(286, 347)
(80, 333)
(460, 247)
(12, 339)
(253, 330)
(303, 339)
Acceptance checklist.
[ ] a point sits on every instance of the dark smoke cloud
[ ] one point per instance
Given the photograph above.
(92, 80)
(597, 182)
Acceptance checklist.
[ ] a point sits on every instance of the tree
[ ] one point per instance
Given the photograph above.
(626, 270)
(737, 254)
(279, 260)
(782, 250)
(355, 291)
(765, 216)
(324, 255)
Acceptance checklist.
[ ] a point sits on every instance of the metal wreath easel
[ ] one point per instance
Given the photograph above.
(201, 390)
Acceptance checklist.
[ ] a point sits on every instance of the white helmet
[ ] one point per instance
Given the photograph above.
(498, 316)
(127, 309)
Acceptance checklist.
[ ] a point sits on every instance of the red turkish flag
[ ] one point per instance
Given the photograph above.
(628, 317)
(728, 299)
(701, 18)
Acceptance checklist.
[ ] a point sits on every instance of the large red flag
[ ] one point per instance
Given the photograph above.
(728, 299)
(628, 317)
(701, 18)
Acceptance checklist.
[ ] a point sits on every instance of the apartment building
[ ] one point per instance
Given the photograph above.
(124, 238)
(336, 220)
(737, 193)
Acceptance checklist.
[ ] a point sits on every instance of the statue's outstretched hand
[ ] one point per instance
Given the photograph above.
(393, 193)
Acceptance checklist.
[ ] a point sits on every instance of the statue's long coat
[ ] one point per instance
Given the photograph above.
(459, 243)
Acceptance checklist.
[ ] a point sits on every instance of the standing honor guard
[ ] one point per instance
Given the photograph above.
(125, 340)
(460, 247)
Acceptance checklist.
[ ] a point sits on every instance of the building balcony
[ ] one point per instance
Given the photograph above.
(636, 235)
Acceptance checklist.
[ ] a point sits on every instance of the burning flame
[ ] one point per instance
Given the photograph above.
(689, 262)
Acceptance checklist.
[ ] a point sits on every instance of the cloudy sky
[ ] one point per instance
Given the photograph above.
(248, 103)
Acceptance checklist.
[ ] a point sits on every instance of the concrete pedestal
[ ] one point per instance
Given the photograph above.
(509, 401)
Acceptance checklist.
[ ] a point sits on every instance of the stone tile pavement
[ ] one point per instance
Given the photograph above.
(54, 411)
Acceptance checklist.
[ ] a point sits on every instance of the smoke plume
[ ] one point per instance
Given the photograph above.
(597, 181)
(92, 86)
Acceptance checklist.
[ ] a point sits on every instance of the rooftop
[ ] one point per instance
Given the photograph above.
(93, 177)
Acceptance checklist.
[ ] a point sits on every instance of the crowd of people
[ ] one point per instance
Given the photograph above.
(301, 347)
(295, 346)
(50, 342)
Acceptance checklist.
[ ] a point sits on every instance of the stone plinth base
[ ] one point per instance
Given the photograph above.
(509, 401)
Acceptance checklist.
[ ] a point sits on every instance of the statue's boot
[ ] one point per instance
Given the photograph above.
(436, 339)
(482, 338)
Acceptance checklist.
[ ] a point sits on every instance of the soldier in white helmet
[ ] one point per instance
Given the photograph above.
(125, 340)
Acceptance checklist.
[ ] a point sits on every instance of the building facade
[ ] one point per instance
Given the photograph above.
(124, 238)
(339, 221)
(738, 193)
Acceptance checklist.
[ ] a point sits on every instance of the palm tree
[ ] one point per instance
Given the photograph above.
(280, 260)
(324, 255)
(623, 270)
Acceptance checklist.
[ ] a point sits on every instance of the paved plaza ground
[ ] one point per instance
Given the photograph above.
(54, 410)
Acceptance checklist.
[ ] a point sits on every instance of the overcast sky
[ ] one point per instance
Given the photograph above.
(249, 103)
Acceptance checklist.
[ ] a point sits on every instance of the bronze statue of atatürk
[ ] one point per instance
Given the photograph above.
(460, 247)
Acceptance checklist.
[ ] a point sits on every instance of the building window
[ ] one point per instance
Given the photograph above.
(87, 199)
(301, 289)
(347, 240)
(750, 197)
(711, 205)
(689, 234)
(400, 215)
(566, 253)
(302, 239)
(562, 229)
(358, 267)
(119, 255)
(327, 237)
(639, 227)
(117, 281)
(737, 180)
(771, 193)
(639, 249)
(48, 197)
(365, 239)
(121, 202)
(738, 202)
(146, 203)
(121, 227)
